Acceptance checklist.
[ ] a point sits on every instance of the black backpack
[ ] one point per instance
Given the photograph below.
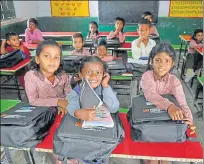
(11, 59)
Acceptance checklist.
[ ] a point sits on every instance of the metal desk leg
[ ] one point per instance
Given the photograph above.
(180, 54)
(18, 89)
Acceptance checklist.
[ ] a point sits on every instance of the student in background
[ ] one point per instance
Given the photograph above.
(13, 43)
(93, 30)
(78, 42)
(142, 46)
(101, 51)
(118, 32)
(32, 33)
(194, 60)
(93, 69)
(148, 15)
(159, 81)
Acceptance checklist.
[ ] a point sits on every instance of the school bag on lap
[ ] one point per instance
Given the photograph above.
(24, 126)
(95, 143)
(150, 124)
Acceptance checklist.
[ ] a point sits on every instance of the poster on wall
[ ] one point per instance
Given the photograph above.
(186, 9)
(67, 8)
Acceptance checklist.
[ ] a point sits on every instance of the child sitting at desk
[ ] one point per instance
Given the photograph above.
(93, 69)
(118, 32)
(78, 42)
(159, 81)
(142, 46)
(101, 51)
(193, 59)
(32, 33)
(93, 30)
(148, 15)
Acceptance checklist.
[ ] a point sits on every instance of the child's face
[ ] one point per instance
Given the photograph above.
(92, 28)
(93, 72)
(199, 36)
(31, 26)
(78, 43)
(118, 25)
(49, 59)
(144, 31)
(162, 64)
(101, 51)
(149, 17)
(14, 41)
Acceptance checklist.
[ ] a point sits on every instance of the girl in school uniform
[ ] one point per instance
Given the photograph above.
(101, 51)
(78, 43)
(159, 81)
(148, 15)
(193, 59)
(32, 33)
(118, 32)
(93, 69)
(47, 84)
(93, 30)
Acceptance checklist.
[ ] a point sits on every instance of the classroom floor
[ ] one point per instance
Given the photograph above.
(124, 102)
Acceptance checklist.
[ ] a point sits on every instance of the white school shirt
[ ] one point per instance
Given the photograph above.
(143, 50)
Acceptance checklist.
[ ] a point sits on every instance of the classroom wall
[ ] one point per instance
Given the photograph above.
(169, 28)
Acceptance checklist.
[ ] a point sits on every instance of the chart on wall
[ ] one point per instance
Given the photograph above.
(67, 8)
(189, 9)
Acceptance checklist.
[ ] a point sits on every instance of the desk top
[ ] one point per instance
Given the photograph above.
(187, 151)
(16, 67)
(186, 38)
(200, 50)
(124, 46)
(7, 104)
(54, 34)
(31, 46)
(129, 34)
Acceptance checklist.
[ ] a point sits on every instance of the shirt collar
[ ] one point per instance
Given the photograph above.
(165, 78)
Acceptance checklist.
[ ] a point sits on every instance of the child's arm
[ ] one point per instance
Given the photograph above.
(39, 36)
(3, 48)
(136, 51)
(107, 58)
(112, 35)
(67, 86)
(177, 91)
(193, 44)
(122, 37)
(27, 38)
(25, 51)
(109, 96)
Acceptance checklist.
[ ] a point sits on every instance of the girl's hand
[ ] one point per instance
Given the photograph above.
(190, 125)
(62, 103)
(105, 80)
(63, 111)
(86, 114)
(175, 112)
(3, 42)
(192, 128)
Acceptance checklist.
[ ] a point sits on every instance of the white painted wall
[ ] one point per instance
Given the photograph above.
(27, 9)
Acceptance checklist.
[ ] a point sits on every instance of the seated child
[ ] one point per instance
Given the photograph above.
(32, 33)
(159, 81)
(93, 30)
(101, 51)
(78, 42)
(193, 59)
(118, 32)
(93, 69)
(148, 15)
(142, 46)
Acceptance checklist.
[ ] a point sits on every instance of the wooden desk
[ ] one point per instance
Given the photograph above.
(187, 151)
(12, 72)
(185, 39)
(128, 34)
(55, 34)
(31, 46)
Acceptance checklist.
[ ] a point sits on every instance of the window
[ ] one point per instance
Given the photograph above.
(7, 10)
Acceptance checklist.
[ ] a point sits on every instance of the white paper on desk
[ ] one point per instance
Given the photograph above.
(142, 62)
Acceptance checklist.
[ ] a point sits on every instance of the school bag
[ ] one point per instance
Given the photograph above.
(116, 67)
(24, 126)
(11, 59)
(71, 63)
(96, 143)
(150, 124)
